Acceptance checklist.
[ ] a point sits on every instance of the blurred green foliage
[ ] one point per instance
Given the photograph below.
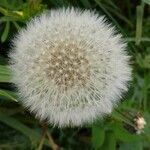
(18, 128)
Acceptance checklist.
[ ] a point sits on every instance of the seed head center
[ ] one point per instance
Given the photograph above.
(67, 65)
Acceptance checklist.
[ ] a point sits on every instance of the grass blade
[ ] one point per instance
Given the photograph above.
(4, 74)
(146, 1)
(33, 135)
(8, 94)
(98, 136)
(6, 31)
(139, 17)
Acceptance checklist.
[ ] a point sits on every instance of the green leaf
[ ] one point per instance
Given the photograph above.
(119, 15)
(147, 126)
(110, 141)
(139, 20)
(3, 11)
(131, 146)
(57, 3)
(16, 25)
(4, 74)
(123, 135)
(12, 111)
(16, 124)
(8, 94)
(146, 1)
(147, 61)
(109, 15)
(6, 31)
(98, 136)
(86, 3)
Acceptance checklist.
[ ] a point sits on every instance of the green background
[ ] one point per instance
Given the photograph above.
(19, 130)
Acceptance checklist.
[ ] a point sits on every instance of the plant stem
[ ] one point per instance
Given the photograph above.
(42, 139)
(51, 141)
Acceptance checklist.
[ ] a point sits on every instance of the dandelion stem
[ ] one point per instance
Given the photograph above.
(42, 139)
(51, 141)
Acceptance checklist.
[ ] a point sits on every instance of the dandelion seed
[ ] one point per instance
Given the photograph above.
(52, 72)
(57, 64)
(69, 68)
(60, 70)
(66, 62)
(59, 57)
(76, 76)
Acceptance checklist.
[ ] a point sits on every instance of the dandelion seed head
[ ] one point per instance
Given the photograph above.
(62, 66)
(70, 66)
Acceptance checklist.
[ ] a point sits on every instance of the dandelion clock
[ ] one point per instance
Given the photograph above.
(70, 66)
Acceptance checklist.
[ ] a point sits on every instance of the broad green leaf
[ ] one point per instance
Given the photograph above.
(131, 146)
(110, 141)
(6, 31)
(98, 136)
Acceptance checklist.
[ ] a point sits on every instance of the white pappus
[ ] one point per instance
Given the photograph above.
(70, 66)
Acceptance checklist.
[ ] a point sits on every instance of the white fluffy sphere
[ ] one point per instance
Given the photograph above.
(70, 66)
